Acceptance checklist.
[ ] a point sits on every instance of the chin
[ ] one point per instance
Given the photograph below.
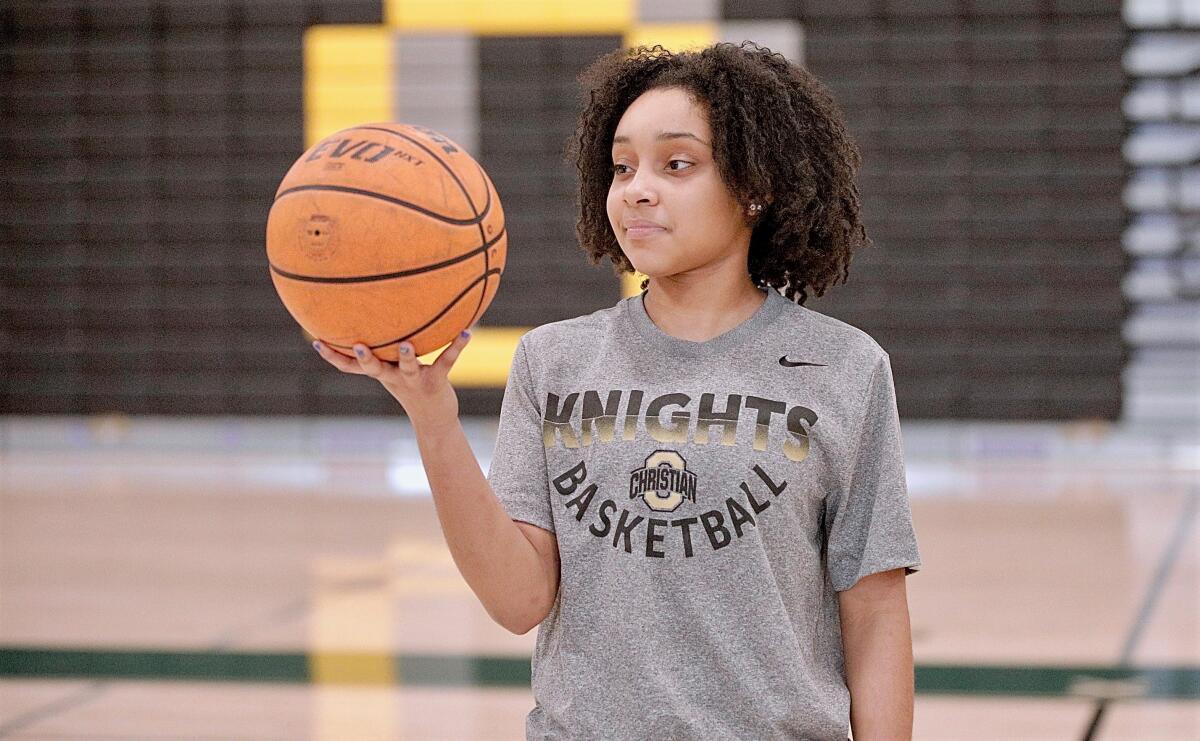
(658, 272)
(648, 267)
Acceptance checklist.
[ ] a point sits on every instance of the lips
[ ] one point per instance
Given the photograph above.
(639, 232)
(641, 228)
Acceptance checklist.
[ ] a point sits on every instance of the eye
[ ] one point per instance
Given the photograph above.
(689, 164)
(616, 168)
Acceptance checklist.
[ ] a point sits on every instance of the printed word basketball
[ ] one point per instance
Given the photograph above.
(385, 233)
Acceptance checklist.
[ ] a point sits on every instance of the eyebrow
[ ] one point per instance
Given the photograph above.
(662, 135)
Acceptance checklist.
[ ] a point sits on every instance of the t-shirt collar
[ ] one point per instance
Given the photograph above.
(635, 310)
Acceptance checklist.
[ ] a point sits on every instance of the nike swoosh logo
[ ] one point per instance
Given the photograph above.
(793, 363)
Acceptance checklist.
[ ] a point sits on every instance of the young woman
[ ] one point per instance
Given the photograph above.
(698, 494)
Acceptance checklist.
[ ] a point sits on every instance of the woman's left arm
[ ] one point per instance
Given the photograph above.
(877, 642)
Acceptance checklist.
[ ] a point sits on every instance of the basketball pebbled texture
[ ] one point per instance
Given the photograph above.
(384, 233)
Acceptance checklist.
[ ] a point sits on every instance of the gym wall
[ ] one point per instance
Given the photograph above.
(144, 140)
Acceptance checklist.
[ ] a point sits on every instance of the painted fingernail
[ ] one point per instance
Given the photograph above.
(404, 349)
(317, 346)
(359, 352)
(466, 333)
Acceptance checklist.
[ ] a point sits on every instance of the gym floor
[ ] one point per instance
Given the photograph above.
(283, 579)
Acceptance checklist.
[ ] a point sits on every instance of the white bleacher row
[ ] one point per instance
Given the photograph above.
(1162, 377)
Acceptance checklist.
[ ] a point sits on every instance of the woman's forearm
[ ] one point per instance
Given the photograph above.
(877, 643)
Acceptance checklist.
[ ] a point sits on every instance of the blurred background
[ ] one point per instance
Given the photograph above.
(208, 532)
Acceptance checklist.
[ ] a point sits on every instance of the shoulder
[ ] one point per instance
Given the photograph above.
(837, 337)
(554, 347)
(579, 330)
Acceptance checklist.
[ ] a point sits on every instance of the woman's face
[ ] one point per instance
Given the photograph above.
(664, 176)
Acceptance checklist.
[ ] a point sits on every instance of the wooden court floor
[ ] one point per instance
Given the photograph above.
(287, 579)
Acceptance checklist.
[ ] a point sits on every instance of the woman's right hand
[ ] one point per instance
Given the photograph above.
(421, 388)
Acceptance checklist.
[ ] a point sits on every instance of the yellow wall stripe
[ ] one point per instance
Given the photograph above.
(631, 283)
(485, 361)
(347, 78)
(672, 36)
(500, 17)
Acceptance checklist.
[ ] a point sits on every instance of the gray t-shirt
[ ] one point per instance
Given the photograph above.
(709, 500)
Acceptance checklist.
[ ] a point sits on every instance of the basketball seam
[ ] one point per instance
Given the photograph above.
(386, 276)
(380, 196)
(487, 262)
(466, 194)
(427, 324)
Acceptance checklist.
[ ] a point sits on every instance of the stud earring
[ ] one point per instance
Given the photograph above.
(755, 208)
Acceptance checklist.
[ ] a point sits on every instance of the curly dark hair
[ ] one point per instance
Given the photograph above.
(779, 139)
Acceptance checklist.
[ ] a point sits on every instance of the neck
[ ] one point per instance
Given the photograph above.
(699, 312)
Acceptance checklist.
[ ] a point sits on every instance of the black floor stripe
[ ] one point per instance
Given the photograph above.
(70, 702)
(1162, 573)
(288, 612)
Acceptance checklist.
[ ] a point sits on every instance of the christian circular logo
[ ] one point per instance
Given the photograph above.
(664, 482)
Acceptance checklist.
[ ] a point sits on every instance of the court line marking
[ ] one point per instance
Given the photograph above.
(1163, 572)
(71, 701)
(227, 640)
(481, 672)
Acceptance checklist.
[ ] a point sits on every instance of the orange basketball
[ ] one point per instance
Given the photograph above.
(385, 233)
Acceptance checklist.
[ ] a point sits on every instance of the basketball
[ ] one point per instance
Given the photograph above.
(386, 233)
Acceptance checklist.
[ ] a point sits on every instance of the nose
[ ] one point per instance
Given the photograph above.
(638, 190)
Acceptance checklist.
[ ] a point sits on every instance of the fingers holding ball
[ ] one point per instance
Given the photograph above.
(446, 360)
(370, 364)
(407, 362)
(365, 362)
(336, 359)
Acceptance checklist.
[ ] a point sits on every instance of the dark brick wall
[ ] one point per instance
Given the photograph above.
(142, 142)
(991, 137)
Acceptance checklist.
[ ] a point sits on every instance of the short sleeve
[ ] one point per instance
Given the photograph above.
(517, 472)
(868, 526)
